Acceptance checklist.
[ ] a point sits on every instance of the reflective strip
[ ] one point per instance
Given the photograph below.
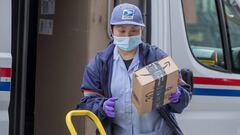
(216, 86)
(91, 93)
(5, 79)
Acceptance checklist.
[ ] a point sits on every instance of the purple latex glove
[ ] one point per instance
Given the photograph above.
(174, 98)
(108, 107)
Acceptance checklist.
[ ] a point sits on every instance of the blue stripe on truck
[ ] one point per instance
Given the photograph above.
(216, 92)
(5, 86)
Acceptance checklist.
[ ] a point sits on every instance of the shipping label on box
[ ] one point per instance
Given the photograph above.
(153, 84)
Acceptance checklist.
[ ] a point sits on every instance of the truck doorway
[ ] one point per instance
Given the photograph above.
(52, 43)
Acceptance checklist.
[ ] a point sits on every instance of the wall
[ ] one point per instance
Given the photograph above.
(79, 31)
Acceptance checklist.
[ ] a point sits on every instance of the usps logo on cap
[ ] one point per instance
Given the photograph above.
(128, 14)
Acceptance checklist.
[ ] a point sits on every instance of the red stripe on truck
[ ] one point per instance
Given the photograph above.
(5, 72)
(216, 81)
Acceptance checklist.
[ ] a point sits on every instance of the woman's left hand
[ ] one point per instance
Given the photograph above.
(174, 98)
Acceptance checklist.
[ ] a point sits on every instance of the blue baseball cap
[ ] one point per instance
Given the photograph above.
(126, 14)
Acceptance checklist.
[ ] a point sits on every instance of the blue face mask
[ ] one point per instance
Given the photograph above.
(127, 43)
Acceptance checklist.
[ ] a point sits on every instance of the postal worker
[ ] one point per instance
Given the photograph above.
(107, 81)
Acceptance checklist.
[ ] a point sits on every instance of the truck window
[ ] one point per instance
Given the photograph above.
(203, 32)
(232, 10)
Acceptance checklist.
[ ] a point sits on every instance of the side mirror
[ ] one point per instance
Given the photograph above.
(187, 76)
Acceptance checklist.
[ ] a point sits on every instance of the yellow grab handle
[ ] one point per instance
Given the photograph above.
(82, 113)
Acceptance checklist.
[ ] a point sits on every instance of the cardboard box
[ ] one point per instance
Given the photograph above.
(153, 84)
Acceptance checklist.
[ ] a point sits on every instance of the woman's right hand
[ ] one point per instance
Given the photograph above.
(108, 107)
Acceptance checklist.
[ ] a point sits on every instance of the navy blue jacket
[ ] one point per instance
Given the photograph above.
(97, 79)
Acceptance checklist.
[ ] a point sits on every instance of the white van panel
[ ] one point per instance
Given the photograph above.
(5, 62)
(222, 119)
(207, 114)
(4, 102)
(160, 35)
(5, 25)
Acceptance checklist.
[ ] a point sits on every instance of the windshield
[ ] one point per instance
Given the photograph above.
(203, 31)
(205, 34)
(232, 9)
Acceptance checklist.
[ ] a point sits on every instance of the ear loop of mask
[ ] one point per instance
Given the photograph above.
(110, 32)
